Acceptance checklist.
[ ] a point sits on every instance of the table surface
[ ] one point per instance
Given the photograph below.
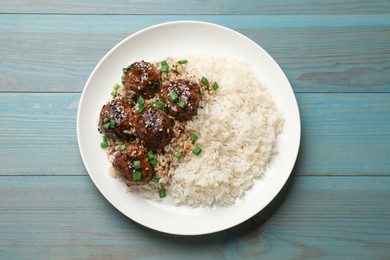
(336, 55)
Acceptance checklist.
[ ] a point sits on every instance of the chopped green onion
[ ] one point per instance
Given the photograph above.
(164, 66)
(104, 143)
(106, 125)
(173, 96)
(137, 176)
(123, 147)
(105, 120)
(162, 193)
(182, 61)
(193, 138)
(112, 123)
(124, 70)
(141, 100)
(153, 162)
(129, 67)
(141, 108)
(160, 105)
(197, 150)
(204, 81)
(116, 86)
(150, 155)
(175, 71)
(155, 179)
(181, 103)
(179, 155)
(113, 93)
(215, 86)
(137, 165)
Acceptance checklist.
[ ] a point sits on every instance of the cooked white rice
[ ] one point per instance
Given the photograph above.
(237, 127)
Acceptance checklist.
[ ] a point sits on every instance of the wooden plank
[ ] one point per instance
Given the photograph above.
(196, 7)
(40, 136)
(342, 134)
(62, 217)
(56, 53)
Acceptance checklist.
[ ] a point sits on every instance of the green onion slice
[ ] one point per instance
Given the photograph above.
(105, 120)
(124, 70)
(162, 193)
(173, 96)
(215, 86)
(137, 176)
(150, 155)
(116, 86)
(104, 143)
(160, 105)
(164, 66)
(155, 179)
(141, 108)
(137, 165)
(204, 81)
(193, 138)
(181, 103)
(197, 150)
(113, 93)
(141, 100)
(112, 123)
(153, 162)
(106, 125)
(123, 147)
(179, 155)
(182, 61)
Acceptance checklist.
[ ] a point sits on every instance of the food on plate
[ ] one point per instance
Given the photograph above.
(182, 98)
(141, 77)
(202, 129)
(132, 164)
(153, 127)
(117, 120)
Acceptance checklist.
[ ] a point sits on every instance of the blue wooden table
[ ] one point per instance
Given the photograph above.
(336, 205)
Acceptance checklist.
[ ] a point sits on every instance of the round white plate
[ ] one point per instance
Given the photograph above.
(157, 43)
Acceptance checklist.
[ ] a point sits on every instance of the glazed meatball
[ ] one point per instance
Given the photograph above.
(131, 162)
(117, 120)
(154, 128)
(182, 98)
(143, 78)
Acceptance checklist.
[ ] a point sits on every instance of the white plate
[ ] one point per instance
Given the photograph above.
(156, 43)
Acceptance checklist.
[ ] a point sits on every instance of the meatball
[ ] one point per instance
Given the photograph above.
(154, 128)
(117, 120)
(182, 98)
(131, 162)
(143, 78)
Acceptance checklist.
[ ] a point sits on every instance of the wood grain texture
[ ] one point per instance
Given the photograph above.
(62, 217)
(318, 53)
(342, 134)
(335, 205)
(197, 7)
